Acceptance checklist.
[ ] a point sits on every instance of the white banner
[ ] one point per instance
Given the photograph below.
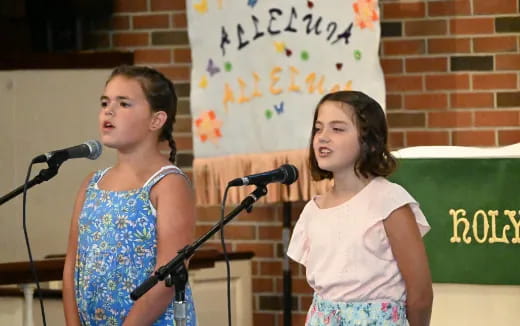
(260, 67)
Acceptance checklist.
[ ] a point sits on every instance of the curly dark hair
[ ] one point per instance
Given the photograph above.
(375, 159)
(160, 94)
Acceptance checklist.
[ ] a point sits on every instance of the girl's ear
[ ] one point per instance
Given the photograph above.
(158, 120)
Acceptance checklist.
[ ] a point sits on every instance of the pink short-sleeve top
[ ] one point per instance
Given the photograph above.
(345, 249)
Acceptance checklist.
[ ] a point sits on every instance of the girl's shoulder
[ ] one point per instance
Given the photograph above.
(95, 176)
(163, 172)
(387, 190)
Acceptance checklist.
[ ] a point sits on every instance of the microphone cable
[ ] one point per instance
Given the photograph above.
(224, 251)
(26, 236)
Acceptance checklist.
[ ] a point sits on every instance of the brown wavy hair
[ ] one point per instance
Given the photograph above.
(369, 118)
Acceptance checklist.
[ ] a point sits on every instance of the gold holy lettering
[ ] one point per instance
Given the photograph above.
(493, 238)
(456, 220)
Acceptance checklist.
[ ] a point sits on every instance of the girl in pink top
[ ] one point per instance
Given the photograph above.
(361, 242)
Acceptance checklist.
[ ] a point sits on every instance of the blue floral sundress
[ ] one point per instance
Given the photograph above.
(117, 247)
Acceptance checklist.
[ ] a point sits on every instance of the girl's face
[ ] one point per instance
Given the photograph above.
(125, 117)
(336, 139)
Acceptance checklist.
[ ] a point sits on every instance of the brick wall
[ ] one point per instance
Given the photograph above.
(451, 69)
(452, 78)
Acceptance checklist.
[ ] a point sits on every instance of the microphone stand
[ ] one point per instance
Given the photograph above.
(179, 278)
(46, 174)
(174, 272)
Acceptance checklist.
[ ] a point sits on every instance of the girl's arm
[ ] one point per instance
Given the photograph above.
(175, 205)
(410, 254)
(69, 298)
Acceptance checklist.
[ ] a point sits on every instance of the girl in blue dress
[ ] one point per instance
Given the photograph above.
(131, 218)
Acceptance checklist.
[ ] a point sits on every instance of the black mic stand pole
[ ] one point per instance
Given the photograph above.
(287, 278)
(174, 272)
(179, 278)
(44, 175)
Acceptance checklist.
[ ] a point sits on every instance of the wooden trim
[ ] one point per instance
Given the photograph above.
(17, 292)
(73, 60)
(52, 269)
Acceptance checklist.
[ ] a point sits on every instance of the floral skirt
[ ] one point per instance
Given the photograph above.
(363, 313)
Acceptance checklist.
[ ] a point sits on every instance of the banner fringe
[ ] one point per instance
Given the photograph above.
(211, 176)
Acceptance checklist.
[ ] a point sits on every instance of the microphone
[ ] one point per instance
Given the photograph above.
(285, 174)
(90, 149)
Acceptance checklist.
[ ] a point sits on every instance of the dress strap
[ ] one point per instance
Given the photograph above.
(165, 170)
(97, 176)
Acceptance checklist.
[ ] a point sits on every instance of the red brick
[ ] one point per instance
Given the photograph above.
(183, 124)
(208, 213)
(392, 66)
(216, 245)
(259, 214)
(120, 22)
(472, 100)
(297, 319)
(426, 101)
(452, 119)
(152, 56)
(426, 64)
(130, 39)
(449, 8)
(181, 55)
(497, 118)
(202, 229)
(240, 232)
(400, 47)
(425, 27)
(179, 20)
(164, 5)
(270, 232)
(495, 44)
(508, 137)
(151, 21)
(184, 143)
(403, 10)
(265, 250)
(395, 139)
(472, 26)
(406, 120)
(262, 284)
(447, 81)
(176, 73)
(295, 269)
(449, 45)
(403, 83)
(507, 61)
(394, 101)
(301, 286)
(427, 138)
(263, 319)
(473, 138)
(296, 209)
(130, 6)
(495, 81)
(273, 268)
(483, 7)
(305, 302)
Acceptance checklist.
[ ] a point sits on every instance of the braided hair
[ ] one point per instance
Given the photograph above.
(160, 94)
